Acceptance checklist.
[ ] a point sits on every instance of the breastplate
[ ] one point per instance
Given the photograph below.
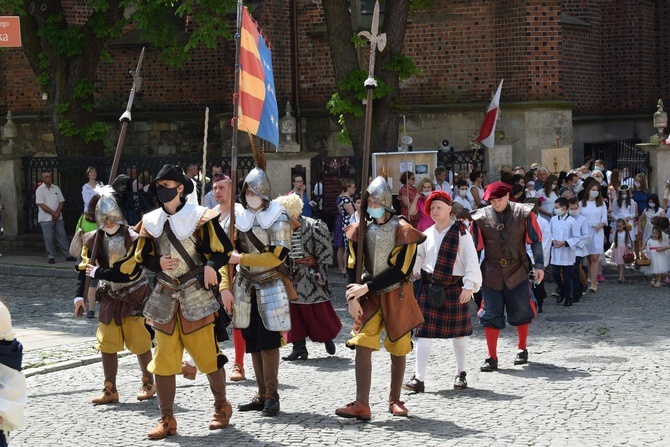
(114, 247)
(244, 245)
(379, 243)
(164, 248)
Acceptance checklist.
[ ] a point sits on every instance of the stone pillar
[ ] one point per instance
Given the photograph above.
(278, 166)
(659, 159)
(13, 201)
(494, 159)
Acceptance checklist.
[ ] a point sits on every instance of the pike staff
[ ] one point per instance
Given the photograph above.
(125, 119)
(376, 41)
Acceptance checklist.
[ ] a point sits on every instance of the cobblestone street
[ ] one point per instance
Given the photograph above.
(598, 376)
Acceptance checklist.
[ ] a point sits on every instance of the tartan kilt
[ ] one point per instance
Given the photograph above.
(449, 322)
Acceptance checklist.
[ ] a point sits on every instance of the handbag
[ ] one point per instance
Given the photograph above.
(436, 297)
(628, 258)
(643, 261)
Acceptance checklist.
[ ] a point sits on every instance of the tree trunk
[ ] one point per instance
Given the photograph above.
(65, 73)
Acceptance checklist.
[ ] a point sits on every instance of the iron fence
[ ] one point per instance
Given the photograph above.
(620, 154)
(69, 173)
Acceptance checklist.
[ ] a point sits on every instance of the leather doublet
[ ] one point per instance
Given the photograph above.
(505, 264)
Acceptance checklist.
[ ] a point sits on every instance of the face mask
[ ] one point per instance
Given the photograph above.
(652, 204)
(254, 202)
(531, 186)
(554, 186)
(637, 184)
(376, 213)
(425, 193)
(574, 213)
(624, 196)
(559, 211)
(166, 195)
(593, 194)
(112, 230)
(463, 193)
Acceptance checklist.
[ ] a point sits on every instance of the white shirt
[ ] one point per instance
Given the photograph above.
(51, 197)
(210, 201)
(87, 193)
(564, 228)
(465, 265)
(446, 187)
(465, 201)
(581, 248)
(545, 229)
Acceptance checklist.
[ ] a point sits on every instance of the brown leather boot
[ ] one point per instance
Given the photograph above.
(109, 395)
(167, 426)
(222, 414)
(147, 390)
(237, 375)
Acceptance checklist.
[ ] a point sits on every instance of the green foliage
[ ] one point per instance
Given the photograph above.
(358, 41)
(66, 40)
(67, 128)
(43, 77)
(418, 5)
(403, 66)
(91, 133)
(62, 107)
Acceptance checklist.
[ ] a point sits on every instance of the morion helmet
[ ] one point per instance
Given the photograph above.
(380, 190)
(108, 207)
(258, 181)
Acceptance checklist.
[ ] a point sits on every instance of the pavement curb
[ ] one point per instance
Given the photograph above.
(45, 272)
(68, 364)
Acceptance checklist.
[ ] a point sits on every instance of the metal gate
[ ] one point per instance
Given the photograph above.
(619, 154)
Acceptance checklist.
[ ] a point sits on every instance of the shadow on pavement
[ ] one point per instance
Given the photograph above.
(436, 428)
(478, 394)
(549, 371)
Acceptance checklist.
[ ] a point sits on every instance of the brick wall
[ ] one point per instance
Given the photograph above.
(463, 47)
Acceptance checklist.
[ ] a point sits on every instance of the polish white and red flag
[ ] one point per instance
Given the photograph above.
(488, 130)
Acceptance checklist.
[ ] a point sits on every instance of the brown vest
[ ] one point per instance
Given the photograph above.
(505, 264)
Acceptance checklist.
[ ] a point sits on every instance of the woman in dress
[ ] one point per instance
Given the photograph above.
(446, 259)
(345, 208)
(88, 190)
(407, 194)
(652, 210)
(595, 213)
(548, 195)
(418, 207)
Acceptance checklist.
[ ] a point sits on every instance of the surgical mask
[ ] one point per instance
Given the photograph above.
(637, 184)
(425, 193)
(376, 213)
(254, 202)
(112, 230)
(594, 194)
(652, 204)
(463, 193)
(559, 211)
(165, 194)
(574, 213)
(624, 196)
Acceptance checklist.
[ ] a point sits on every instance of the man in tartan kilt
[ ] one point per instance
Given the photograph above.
(385, 301)
(447, 260)
(503, 229)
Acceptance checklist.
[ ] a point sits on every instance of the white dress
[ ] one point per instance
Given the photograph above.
(660, 261)
(627, 213)
(547, 203)
(649, 214)
(595, 215)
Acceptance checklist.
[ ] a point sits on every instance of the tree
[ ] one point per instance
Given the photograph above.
(64, 56)
(390, 67)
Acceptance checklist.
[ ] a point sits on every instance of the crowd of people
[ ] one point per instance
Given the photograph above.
(447, 241)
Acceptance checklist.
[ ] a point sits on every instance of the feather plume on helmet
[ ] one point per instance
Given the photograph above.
(257, 180)
(108, 206)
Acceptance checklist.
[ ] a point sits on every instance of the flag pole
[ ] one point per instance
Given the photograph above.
(235, 122)
(203, 170)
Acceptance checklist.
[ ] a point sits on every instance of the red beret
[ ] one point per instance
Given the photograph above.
(437, 195)
(496, 190)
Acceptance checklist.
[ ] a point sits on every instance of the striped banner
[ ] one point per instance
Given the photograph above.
(258, 112)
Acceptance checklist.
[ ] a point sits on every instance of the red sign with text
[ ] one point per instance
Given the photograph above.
(10, 31)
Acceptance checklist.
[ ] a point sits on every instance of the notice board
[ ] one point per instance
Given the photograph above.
(393, 164)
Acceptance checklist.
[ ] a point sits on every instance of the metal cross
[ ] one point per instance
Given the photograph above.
(377, 41)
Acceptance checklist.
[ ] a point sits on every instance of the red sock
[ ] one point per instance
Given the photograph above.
(522, 332)
(240, 346)
(492, 335)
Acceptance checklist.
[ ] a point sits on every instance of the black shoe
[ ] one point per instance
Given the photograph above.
(567, 303)
(460, 383)
(90, 314)
(52, 261)
(559, 300)
(330, 347)
(299, 351)
(256, 404)
(414, 385)
(575, 300)
(521, 357)
(539, 308)
(271, 407)
(70, 258)
(489, 365)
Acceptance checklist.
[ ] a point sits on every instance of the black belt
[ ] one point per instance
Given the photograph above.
(429, 277)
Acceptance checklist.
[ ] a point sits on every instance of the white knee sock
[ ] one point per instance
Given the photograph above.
(422, 356)
(460, 351)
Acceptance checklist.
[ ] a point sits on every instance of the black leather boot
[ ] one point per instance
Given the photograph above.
(299, 351)
(271, 407)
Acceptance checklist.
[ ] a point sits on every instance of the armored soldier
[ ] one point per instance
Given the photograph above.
(312, 314)
(122, 290)
(260, 304)
(503, 229)
(385, 302)
(185, 245)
